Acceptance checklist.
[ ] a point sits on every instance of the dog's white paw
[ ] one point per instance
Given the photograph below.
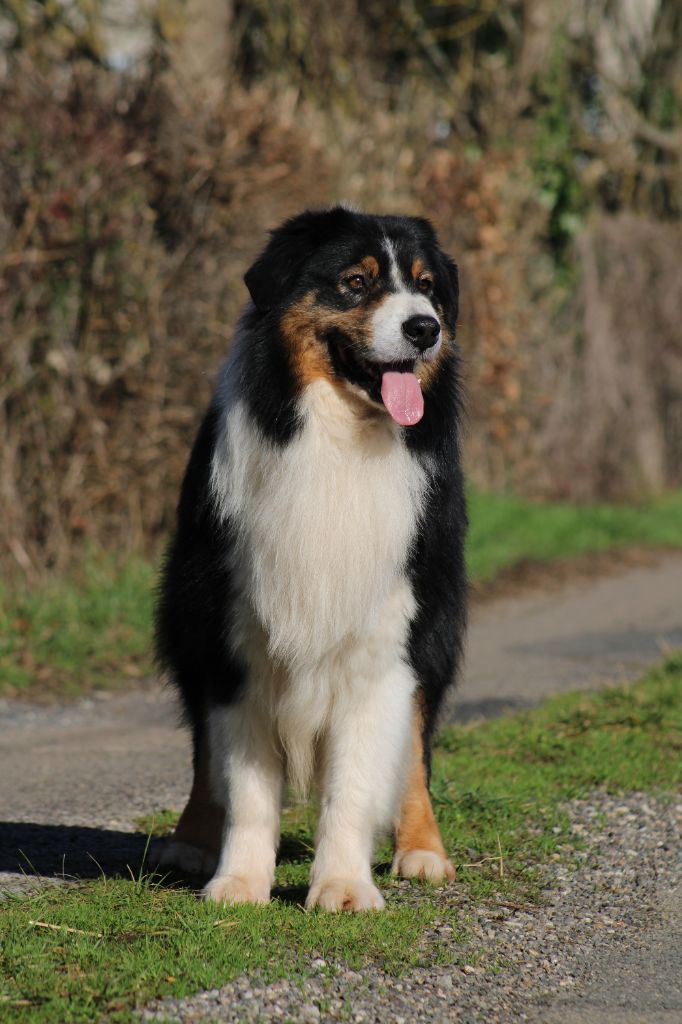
(344, 894)
(424, 864)
(183, 857)
(236, 889)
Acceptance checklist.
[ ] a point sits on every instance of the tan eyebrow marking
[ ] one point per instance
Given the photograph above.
(370, 266)
(418, 268)
(367, 265)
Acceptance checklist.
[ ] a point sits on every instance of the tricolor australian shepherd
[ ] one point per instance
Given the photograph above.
(313, 600)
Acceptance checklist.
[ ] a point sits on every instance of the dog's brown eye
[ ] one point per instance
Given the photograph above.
(356, 283)
(425, 284)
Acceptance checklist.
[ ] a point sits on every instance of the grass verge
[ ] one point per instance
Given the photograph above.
(505, 531)
(93, 630)
(70, 636)
(104, 948)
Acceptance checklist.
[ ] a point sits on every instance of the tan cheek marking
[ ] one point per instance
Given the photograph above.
(417, 828)
(309, 358)
(304, 322)
(353, 322)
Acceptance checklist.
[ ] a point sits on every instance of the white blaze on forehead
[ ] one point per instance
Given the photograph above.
(389, 345)
(394, 269)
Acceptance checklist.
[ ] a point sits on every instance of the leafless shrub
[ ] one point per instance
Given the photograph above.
(124, 236)
(614, 427)
(126, 224)
(129, 209)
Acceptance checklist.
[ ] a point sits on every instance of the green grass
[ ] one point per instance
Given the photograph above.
(87, 632)
(94, 629)
(143, 940)
(498, 791)
(500, 781)
(505, 530)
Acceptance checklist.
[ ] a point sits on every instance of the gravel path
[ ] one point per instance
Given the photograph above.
(604, 948)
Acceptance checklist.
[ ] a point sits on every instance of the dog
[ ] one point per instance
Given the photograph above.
(313, 600)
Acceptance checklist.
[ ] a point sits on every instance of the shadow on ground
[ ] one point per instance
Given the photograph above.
(460, 712)
(70, 851)
(75, 852)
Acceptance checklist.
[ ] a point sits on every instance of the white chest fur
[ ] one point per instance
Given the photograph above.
(324, 523)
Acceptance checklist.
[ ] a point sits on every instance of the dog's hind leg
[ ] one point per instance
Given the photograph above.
(194, 847)
(419, 850)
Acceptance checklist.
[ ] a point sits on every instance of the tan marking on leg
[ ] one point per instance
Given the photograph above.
(419, 850)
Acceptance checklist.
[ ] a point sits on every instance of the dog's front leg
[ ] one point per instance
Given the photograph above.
(363, 758)
(247, 773)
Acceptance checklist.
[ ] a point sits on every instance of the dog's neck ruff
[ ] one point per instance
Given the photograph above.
(324, 523)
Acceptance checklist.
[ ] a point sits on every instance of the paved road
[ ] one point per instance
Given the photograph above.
(74, 780)
(586, 635)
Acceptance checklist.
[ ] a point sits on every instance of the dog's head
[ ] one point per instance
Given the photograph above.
(369, 303)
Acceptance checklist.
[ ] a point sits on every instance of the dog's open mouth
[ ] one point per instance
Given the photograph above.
(393, 385)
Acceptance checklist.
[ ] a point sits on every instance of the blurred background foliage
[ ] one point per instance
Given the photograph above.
(146, 148)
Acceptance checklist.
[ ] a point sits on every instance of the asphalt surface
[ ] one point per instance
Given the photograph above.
(641, 984)
(586, 635)
(75, 780)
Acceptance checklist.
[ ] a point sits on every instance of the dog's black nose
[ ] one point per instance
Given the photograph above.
(422, 331)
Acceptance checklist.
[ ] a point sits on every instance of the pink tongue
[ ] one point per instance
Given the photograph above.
(402, 396)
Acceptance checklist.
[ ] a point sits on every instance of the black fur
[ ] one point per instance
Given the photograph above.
(196, 589)
(307, 253)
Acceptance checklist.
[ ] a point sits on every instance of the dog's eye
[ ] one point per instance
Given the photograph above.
(425, 285)
(356, 283)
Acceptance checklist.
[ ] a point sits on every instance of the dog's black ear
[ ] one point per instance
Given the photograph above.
(452, 272)
(448, 288)
(273, 277)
